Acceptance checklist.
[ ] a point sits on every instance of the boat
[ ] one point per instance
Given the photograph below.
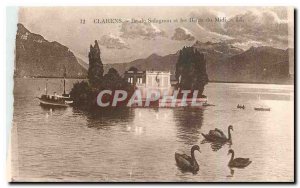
(55, 100)
(262, 109)
(241, 106)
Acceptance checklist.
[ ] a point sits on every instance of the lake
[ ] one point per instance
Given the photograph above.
(138, 144)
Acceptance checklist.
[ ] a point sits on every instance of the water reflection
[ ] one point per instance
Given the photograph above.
(215, 146)
(99, 118)
(49, 112)
(188, 122)
(52, 109)
(231, 172)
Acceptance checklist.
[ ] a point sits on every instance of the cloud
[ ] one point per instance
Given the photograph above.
(112, 42)
(144, 30)
(261, 25)
(204, 15)
(182, 33)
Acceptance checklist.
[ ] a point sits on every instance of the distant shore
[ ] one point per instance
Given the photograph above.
(229, 82)
(213, 81)
(29, 77)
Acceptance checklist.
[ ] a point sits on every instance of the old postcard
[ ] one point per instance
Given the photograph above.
(152, 94)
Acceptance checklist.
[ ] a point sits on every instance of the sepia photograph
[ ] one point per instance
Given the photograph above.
(152, 94)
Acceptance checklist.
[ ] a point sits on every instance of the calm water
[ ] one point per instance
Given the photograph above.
(139, 144)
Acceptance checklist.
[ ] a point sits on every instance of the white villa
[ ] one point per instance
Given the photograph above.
(150, 80)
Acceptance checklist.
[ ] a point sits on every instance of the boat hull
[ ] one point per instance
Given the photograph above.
(53, 104)
(262, 109)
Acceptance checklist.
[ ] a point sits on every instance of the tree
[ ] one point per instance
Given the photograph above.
(85, 93)
(80, 93)
(113, 81)
(191, 70)
(95, 72)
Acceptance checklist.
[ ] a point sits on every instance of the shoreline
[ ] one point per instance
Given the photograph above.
(228, 82)
(49, 78)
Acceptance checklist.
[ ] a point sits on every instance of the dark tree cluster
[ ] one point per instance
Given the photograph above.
(95, 72)
(191, 70)
(85, 93)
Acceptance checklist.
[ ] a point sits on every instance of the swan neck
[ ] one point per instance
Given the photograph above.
(232, 156)
(194, 162)
(229, 134)
(192, 154)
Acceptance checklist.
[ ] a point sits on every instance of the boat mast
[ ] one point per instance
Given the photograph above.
(64, 85)
(65, 74)
(46, 86)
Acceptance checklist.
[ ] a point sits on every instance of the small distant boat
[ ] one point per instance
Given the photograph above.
(241, 106)
(262, 109)
(55, 100)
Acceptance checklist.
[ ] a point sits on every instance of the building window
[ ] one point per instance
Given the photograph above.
(130, 80)
(139, 80)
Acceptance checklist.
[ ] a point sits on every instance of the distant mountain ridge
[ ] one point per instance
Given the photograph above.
(258, 64)
(218, 47)
(37, 57)
(226, 63)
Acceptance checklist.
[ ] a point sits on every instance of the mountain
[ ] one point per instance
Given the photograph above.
(213, 52)
(258, 64)
(221, 48)
(37, 57)
(226, 63)
(82, 63)
(153, 62)
(291, 55)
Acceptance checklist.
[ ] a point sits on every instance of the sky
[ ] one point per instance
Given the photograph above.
(123, 41)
